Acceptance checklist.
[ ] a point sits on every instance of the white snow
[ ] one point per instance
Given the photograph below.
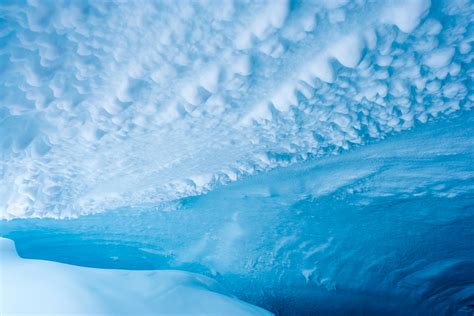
(50, 288)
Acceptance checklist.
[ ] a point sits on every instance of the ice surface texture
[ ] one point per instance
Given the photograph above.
(385, 229)
(49, 288)
(107, 104)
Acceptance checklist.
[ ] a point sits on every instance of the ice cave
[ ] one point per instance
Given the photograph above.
(236, 157)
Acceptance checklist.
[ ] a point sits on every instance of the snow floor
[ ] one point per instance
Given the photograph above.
(38, 287)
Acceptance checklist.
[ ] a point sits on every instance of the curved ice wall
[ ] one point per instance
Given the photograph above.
(385, 229)
(140, 107)
(107, 104)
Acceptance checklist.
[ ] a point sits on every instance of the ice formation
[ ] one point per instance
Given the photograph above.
(385, 229)
(314, 157)
(107, 104)
(51, 288)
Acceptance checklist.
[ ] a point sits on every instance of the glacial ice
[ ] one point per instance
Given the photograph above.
(386, 228)
(104, 104)
(313, 157)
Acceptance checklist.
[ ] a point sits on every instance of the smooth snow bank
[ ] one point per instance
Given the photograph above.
(106, 104)
(44, 287)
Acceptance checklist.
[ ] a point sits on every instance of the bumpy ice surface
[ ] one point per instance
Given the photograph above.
(384, 229)
(106, 105)
(152, 135)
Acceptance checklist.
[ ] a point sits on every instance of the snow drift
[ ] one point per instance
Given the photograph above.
(49, 288)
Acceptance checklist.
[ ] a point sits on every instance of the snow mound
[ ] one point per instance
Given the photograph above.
(107, 104)
(50, 288)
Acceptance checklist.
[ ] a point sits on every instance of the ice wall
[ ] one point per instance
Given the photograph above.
(385, 229)
(106, 104)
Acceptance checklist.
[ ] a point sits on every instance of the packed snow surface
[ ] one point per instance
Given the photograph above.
(49, 288)
(106, 104)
